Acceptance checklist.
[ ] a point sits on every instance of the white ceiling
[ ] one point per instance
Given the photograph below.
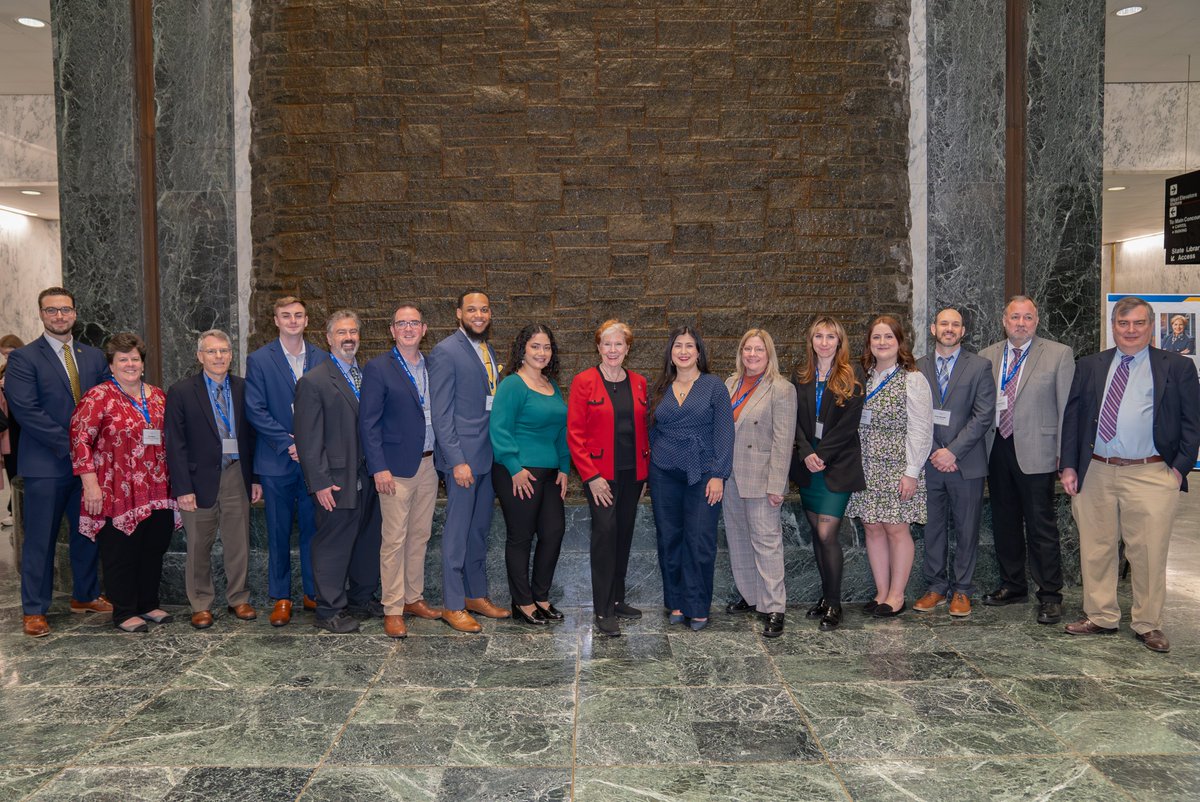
(26, 65)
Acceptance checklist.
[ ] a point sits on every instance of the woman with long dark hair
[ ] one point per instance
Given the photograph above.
(528, 427)
(827, 465)
(691, 456)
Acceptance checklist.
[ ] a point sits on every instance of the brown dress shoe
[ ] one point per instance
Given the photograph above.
(36, 626)
(484, 606)
(309, 602)
(96, 605)
(1084, 626)
(244, 612)
(960, 605)
(282, 613)
(393, 626)
(461, 620)
(202, 619)
(421, 609)
(929, 601)
(1155, 640)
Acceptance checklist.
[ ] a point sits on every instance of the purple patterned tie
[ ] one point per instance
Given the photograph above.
(1112, 400)
(1010, 392)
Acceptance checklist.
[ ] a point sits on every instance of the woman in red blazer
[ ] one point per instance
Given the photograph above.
(606, 433)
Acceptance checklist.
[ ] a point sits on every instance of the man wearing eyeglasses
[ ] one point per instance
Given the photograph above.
(396, 428)
(210, 451)
(43, 382)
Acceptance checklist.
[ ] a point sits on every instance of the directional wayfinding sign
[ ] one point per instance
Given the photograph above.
(1181, 230)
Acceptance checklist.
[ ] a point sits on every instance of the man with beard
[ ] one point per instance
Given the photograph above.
(463, 374)
(964, 401)
(346, 543)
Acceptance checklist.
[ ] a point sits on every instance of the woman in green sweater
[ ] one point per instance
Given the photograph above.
(529, 440)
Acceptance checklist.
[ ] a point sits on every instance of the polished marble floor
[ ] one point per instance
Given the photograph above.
(994, 707)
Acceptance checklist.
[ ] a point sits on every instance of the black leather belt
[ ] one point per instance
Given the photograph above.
(1122, 462)
(427, 454)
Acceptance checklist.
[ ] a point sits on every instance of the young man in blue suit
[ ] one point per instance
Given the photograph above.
(395, 425)
(271, 375)
(463, 374)
(43, 382)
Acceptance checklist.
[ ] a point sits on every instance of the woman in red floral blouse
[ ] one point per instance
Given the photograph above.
(117, 452)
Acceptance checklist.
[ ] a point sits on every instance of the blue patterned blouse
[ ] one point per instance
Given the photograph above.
(697, 436)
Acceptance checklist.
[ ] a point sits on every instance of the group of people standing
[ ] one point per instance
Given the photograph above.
(352, 453)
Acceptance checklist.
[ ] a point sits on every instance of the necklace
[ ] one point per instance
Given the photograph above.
(682, 394)
(612, 383)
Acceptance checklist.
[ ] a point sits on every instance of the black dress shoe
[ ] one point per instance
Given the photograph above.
(831, 620)
(740, 606)
(549, 612)
(870, 607)
(773, 625)
(533, 619)
(623, 610)
(1049, 613)
(372, 609)
(608, 626)
(1003, 596)
(339, 623)
(818, 609)
(886, 611)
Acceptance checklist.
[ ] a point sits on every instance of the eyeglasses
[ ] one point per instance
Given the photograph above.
(407, 324)
(217, 351)
(51, 311)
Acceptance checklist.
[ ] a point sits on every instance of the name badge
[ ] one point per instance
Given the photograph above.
(865, 420)
(152, 437)
(1001, 402)
(428, 417)
(229, 445)
(819, 430)
(941, 417)
(488, 404)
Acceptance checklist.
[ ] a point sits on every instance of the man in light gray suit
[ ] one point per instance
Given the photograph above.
(1033, 379)
(463, 374)
(964, 406)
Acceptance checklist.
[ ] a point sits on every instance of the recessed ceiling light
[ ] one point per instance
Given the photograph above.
(1115, 189)
(17, 211)
(31, 22)
(30, 192)
(1129, 11)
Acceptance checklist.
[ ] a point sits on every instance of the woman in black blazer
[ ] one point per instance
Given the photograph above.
(827, 463)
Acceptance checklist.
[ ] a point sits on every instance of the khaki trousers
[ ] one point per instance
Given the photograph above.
(230, 515)
(407, 525)
(1135, 504)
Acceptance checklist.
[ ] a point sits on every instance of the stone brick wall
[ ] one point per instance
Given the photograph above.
(725, 162)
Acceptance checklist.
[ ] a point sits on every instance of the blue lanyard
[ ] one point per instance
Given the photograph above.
(882, 384)
(348, 378)
(820, 387)
(228, 401)
(739, 401)
(1005, 375)
(404, 364)
(145, 405)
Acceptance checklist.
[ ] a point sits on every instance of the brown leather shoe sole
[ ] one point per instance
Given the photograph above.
(35, 626)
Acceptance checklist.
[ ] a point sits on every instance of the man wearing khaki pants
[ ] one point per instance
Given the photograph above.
(397, 437)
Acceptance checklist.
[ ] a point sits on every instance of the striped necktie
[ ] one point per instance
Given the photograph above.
(943, 375)
(1112, 400)
(72, 372)
(1010, 392)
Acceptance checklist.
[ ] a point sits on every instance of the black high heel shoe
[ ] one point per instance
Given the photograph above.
(831, 620)
(818, 610)
(526, 618)
(549, 612)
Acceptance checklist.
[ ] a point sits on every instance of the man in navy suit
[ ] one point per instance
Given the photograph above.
(210, 453)
(271, 375)
(1132, 428)
(43, 382)
(397, 437)
(463, 373)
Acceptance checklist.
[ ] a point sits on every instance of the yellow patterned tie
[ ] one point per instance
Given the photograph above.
(72, 372)
(487, 363)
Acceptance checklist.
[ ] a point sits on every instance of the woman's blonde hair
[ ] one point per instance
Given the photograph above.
(772, 371)
(841, 380)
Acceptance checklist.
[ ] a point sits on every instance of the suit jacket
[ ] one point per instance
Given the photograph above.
(1045, 382)
(840, 448)
(270, 393)
(327, 433)
(193, 441)
(391, 420)
(39, 399)
(1176, 410)
(591, 425)
(763, 438)
(458, 391)
(971, 400)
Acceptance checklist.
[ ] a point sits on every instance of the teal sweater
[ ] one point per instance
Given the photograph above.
(529, 430)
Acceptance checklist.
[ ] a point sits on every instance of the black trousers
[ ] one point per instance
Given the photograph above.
(345, 550)
(541, 515)
(133, 564)
(612, 536)
(1024, 521)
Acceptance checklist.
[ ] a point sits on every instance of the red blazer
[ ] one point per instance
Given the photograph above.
(591, 428)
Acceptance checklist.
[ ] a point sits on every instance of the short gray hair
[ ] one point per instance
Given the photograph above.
(1128, 304)
(342, 314)
(220, 335)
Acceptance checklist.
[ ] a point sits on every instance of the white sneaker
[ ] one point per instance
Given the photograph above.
(8, 521)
